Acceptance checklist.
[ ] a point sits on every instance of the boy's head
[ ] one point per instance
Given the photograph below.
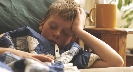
(56, 25)
(66, 9)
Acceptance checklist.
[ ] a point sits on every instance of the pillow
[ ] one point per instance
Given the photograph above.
(19, 13)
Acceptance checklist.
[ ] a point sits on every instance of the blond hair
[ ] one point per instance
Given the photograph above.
(66, 9)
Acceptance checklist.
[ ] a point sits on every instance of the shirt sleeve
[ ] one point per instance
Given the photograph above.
(83, 59)
(93, 58)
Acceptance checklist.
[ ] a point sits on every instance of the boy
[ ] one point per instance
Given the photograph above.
(62, 24)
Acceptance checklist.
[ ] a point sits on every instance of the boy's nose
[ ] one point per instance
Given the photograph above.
(56, 34)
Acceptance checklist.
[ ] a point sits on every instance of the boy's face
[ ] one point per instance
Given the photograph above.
(56, 30)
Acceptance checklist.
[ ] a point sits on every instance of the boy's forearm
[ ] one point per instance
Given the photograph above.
(2, 50)
(106, 53)
(16, 52)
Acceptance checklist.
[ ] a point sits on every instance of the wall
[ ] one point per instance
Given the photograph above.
(89, 4)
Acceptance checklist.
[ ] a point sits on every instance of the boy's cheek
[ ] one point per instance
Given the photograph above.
(74, 39)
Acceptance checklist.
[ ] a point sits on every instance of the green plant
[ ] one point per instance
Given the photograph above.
(127, 14)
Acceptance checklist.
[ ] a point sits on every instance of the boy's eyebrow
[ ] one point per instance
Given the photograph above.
(53, 22)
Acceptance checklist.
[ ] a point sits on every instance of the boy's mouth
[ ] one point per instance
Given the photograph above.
(53, 42)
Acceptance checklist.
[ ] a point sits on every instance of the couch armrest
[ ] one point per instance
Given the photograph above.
(110, 69)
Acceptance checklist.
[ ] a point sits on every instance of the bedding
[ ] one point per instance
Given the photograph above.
(17, 64)
(28, 40)
(29, 65)
(5, 68)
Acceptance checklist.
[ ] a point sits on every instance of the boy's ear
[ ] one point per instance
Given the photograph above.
(41, 24)
(74, 38)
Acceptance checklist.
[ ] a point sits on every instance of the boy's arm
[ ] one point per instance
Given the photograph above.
(109, 57)
(23, 54)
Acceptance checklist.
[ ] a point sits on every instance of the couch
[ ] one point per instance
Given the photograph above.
(19, 13)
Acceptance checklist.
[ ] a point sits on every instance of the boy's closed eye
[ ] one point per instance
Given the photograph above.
(53, 25)
(66, 32)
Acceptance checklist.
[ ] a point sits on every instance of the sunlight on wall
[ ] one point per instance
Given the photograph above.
(130, 38)
(81, 2)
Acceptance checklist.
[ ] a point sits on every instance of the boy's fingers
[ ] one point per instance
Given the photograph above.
(78, 11)
(50, 56)
(32, 58)
(82, 11)
(43, 58)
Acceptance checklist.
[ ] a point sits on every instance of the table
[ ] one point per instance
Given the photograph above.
(115, 37)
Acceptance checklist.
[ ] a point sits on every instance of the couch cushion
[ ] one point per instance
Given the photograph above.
(109, 69)
(19, 13)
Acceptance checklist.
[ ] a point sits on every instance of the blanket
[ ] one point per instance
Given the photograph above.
(30, 65)
(5, 68)
(26, 39)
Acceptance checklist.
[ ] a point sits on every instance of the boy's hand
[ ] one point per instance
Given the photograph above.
(79, 21)
(43, 58)
(22, 54)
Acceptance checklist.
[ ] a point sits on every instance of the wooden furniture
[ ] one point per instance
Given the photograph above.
(129, 60)
(116, 38)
